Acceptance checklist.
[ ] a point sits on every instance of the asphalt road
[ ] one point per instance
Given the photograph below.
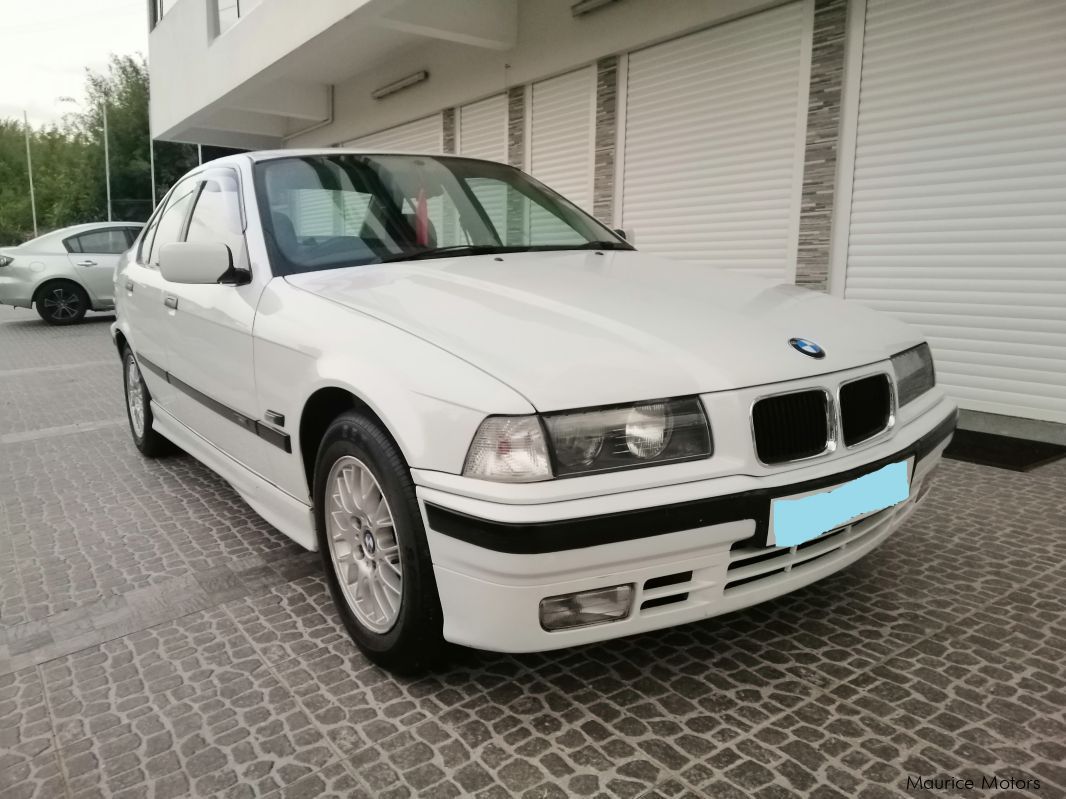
(158, 639)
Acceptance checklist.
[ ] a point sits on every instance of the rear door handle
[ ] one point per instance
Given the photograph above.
(86, 263)
(171, 302)
(129, 285)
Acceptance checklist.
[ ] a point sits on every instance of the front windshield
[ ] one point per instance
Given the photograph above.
(329, 211)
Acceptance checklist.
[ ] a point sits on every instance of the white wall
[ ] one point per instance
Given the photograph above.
(550, 41)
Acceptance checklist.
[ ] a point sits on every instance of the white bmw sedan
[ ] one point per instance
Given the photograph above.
(501, 424)
(67, 272)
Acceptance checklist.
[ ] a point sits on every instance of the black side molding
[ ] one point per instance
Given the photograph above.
(278, 438)
(559, 536)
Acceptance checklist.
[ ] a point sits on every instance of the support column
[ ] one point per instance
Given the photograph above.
(448, 120)
(606, 138)
(823, 133)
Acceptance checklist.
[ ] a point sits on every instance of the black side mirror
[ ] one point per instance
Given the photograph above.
(621, 233)
(236, 277)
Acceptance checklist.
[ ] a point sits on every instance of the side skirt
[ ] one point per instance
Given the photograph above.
(280, 509)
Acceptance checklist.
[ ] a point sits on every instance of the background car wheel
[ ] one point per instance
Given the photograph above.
(139, 410)
(374, 546)
(61, 302)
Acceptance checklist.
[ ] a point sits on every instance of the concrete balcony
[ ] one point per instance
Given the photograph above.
(268, 76)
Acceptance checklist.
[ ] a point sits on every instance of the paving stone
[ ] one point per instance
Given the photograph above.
(25, 726)
(247, 734)
(158, 638)
(103, 686)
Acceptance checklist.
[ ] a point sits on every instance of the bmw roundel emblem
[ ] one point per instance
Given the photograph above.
(807, 347)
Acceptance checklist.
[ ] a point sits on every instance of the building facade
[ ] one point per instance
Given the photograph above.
(906, 154)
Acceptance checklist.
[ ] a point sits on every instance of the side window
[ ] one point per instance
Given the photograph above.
(217, 214)
(132, 233)
(104, 242)
(169, 226)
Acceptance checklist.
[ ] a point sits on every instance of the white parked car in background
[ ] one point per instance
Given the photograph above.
(502, 425)
(67, 272)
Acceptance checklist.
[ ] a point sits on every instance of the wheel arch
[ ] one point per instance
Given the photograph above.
(48, 281)
(120, 341)
(324, 405)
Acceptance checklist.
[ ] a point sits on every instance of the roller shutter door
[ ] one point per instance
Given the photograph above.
(483, 129)
(714, 138)
(421, 136)
(958, 216)
(483, 134)
(563, 116)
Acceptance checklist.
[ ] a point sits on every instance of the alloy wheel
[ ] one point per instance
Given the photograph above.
(135, 396)
(363, 544)
(61, 304)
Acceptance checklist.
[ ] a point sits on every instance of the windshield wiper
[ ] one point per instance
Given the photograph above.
(453, 249)
(604, 245)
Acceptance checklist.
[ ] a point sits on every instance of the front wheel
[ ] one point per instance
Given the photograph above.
(62, 303)
(374, 546)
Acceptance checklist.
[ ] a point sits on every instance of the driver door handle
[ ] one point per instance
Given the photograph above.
(87, 263)
(171, 302)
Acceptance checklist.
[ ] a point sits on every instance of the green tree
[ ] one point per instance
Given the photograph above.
(123, 86)
(68, 159)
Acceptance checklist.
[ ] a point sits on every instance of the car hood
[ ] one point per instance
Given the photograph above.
(570, 329)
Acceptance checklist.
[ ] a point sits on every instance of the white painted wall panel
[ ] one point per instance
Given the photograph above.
(958, 215)
(713, 156)
(424, 136)
(483, 129)
(561, 132)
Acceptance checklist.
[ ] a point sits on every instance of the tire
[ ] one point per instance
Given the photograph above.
(61, 302)
(402, 631)
(139, 410)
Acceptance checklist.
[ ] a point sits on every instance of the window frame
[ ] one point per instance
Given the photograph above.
(76, 237)
(211, 173)
(153, 223)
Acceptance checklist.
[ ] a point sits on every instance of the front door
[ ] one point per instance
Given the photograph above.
(209, 339)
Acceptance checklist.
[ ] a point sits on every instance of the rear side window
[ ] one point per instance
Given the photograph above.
(217, 214)
(171, 221)
(104, 242)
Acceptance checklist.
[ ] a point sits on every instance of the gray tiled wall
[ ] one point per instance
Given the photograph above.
(606, 122)
(448, 118)
(823, 130)
(516, 126)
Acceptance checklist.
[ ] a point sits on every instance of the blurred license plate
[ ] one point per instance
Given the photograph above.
(794, 520)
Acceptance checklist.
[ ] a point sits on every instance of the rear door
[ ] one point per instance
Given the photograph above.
(94, 256)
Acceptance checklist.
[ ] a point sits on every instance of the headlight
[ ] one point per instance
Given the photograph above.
(5, 260)
(589, 440)
(914, 373)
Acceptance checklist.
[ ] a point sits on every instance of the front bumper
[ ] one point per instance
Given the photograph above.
(687, 560)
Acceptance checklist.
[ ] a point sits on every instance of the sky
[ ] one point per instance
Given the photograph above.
(47, 45)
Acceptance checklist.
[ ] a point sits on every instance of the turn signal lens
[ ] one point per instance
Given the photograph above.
(509, 449)
(586, 608)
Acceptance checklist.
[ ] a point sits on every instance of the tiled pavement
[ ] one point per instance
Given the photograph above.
(158, 639)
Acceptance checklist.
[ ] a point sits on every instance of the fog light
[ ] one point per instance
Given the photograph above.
(586, 608)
